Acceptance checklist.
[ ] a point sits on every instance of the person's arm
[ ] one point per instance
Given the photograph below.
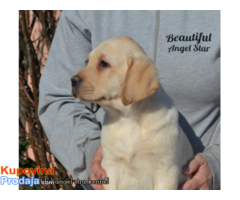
(212, 154)
(205, 166)
(71, 128)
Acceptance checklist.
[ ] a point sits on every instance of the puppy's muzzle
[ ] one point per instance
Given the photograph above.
(76, 80)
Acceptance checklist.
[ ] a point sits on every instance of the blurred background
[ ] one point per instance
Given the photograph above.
(36, 32)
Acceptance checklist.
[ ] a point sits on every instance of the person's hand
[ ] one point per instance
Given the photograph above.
(96, 171)
(202, 174)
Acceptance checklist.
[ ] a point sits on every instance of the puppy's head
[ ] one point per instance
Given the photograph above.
(117, 68)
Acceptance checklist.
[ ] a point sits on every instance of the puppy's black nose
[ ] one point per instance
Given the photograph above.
(76, 80)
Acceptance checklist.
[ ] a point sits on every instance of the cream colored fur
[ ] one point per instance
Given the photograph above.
(142, 144)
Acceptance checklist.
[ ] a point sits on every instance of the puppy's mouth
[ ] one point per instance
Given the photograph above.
(74, 94)
(85, 96)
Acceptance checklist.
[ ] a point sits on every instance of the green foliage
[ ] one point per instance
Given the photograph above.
(23, 147)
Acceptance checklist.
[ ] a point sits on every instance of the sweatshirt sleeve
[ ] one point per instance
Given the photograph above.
(212, 155)
(70, 125)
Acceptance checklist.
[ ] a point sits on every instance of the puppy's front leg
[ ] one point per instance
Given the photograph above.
(112, 174)
(167, 179)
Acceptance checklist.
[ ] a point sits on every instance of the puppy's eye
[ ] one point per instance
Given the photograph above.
(86, 62)
(104, 64)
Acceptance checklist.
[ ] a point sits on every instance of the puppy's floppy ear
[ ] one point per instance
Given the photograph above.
(141, 80)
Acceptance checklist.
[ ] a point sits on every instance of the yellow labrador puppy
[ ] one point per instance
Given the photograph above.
(142, 144)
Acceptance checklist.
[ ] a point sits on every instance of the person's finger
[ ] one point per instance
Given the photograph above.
(96, 186)
(97, 170)
(204, 187)
(193, 165)
(192, 184)
(203, 182)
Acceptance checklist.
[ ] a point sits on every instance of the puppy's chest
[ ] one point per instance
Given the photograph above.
(126, 139)
(122, 130)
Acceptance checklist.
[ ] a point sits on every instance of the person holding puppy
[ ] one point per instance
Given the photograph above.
(185, 47)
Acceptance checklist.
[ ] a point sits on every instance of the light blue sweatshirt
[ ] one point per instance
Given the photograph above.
(184, 45)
